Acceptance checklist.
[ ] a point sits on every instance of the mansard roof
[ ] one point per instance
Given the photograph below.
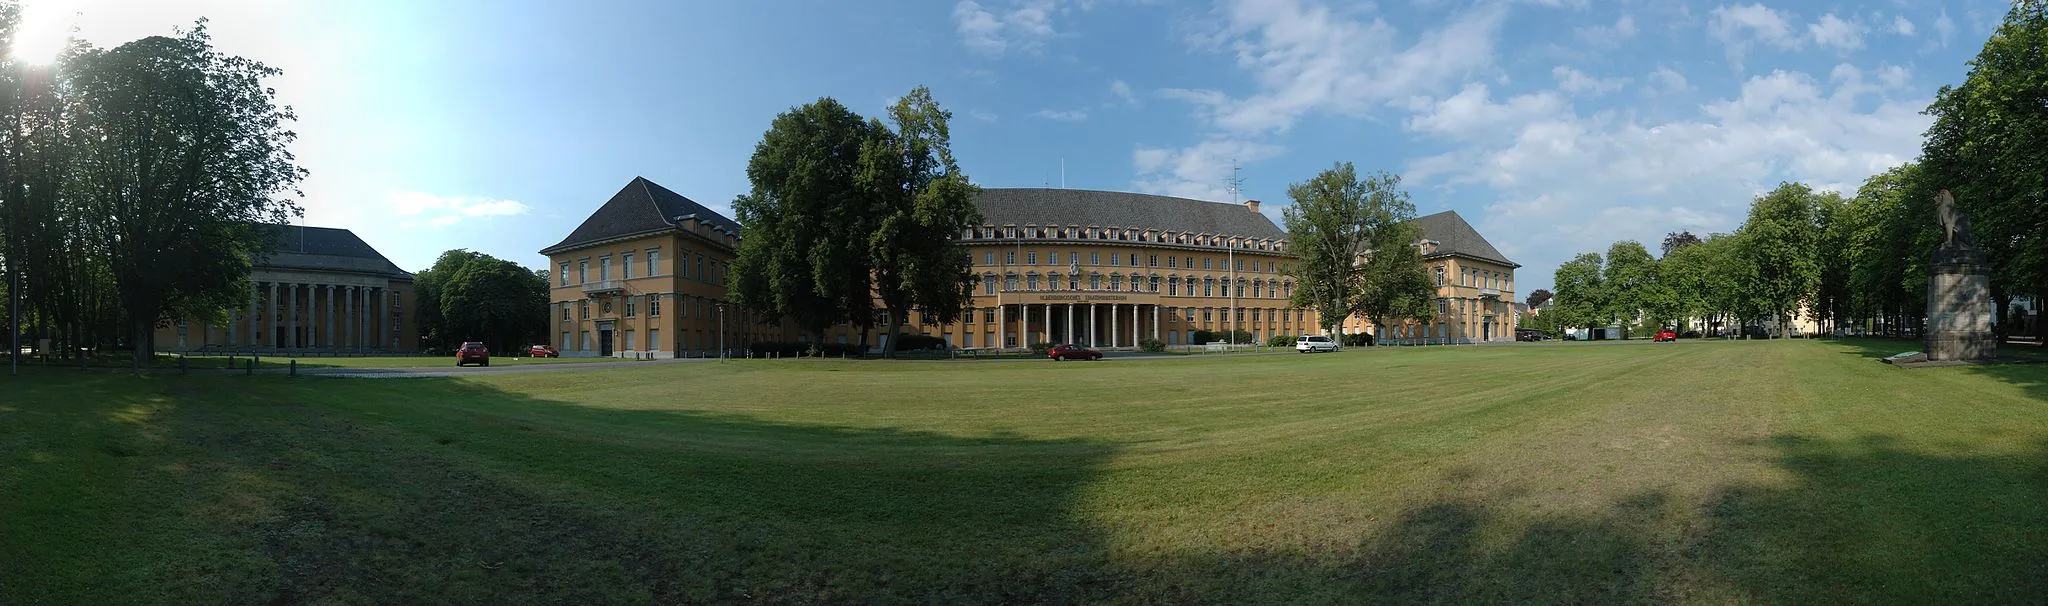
(641, 207)
(1453, 236)
(1046, 207)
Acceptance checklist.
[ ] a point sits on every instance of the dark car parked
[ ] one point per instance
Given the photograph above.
(473, 352)
(1065, 352)
(543, 351)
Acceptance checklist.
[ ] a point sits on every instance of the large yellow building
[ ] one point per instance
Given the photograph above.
(317, 291)
(645, 275)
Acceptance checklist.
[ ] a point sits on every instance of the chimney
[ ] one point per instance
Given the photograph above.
(1252, 205)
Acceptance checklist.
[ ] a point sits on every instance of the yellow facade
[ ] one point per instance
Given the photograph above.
(658, 295)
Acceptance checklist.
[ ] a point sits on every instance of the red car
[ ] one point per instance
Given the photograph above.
(1072, 352)
(543, 351)
(473, 352)
(1664, 335)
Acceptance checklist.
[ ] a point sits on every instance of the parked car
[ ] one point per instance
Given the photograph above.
(1690, 334)
(473, 352)
(543, 351)
(1063, 352)
(1664, 335)
(1314, 343)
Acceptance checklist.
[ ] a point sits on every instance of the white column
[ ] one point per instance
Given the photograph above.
(362, 317)
(349, 306)
(1002, 327)
(1135, 334)
(327, 319)
(291, 316)
(1048, 323)
(1070, 322)
(1091, 324)
(1024, 324)
(384, 318)
(1155, 321)
(270, 318)
(1112, 324)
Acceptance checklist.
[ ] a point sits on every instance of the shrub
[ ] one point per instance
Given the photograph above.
(919, 342)
(1040, 349)
(1152, 345)
(1357, 339)
(1280, 341)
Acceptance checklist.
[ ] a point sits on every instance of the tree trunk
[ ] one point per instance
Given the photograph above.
(140, 337)
(895, 331)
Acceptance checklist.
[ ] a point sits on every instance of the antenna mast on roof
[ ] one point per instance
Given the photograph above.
(1234, 182)
(1063, 172)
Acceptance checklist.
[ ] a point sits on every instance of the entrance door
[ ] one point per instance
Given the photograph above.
(1486, 331)
(604, 343)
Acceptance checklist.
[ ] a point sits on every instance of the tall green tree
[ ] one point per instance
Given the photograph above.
(428, 286)
(184, 154)
(1353, 247)
(1538, 297)
(1630, 283)
(494, 301)
(921, 201)
(1781, 246)
(806, 222)
(1581, 293)
(1834, 229)
(1986, 145)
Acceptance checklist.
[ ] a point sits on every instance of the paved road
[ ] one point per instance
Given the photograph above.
(501, 368)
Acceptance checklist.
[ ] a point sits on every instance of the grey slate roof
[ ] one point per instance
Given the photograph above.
(324, 248)
(1456, 237)
(1041, 206)
(641, 207)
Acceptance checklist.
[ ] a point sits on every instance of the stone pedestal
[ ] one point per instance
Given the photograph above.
(1959, 309)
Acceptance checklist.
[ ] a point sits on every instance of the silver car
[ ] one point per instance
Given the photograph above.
(1314, 343)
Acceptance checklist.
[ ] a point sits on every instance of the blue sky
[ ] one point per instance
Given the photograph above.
(1555, 126)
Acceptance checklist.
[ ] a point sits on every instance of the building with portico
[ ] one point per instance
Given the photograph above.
(1475, 288)
(317, 290)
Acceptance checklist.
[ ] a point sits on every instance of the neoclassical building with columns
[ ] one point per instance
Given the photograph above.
(318, 290)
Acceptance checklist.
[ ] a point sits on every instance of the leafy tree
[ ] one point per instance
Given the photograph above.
(182, 154)
(1780, 245)
(1834, 227)
(921, 201)
(1355, 248)
(1538, 297)
(1985, 145)
(428, 284)
(1581, 293)
(1677, 240)
(806, 222)
(492, 300)
(1629, 280)
(1888, 246)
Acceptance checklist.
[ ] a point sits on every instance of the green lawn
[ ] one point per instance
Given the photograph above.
(1782, 472)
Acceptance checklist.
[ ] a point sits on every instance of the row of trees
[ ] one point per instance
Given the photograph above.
(850, 216)
(1355, 243)
(1860, 260)
(132, 183)
(472, 296)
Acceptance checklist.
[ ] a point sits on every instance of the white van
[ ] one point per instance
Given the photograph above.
(1314, 343)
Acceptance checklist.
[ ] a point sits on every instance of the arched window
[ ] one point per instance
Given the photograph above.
(1052, 281)
(988, 284)
(1094, 281)
(1031, 281)
(1155, 283)
(1173, 286)
(1010, 282)
(1073, 281)
(1208, 287)
(1116, 281)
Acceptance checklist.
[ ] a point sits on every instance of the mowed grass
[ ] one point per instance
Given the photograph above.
(1779, 472)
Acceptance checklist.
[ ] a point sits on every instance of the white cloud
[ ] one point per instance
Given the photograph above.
(1834, 32)
(1019, 26)
(1740, 25)
(1062, 115)
(1123, 92)
(1306, 57)
(1576, 82)
(982, 115)
(1605, 36)
(443, 211)
(1666, 81)
(1472, 113)
(1944, 26)
(1566, 182)
(1902, 26)
(1198, 171)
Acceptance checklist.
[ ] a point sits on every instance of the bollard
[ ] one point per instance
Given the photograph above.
(231, 362)
(252, 365)
(181, 366)
(295, 368)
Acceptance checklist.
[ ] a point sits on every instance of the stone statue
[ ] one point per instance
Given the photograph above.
(1955, 226)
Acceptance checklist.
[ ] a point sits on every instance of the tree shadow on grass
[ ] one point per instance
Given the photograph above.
(440, 490)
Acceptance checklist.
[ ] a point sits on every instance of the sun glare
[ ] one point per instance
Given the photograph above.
(44, 29)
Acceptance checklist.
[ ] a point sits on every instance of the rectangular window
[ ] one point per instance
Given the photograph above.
(1010, 258)
(564, 344)
(967, 340)
(1009, 282)
(604, 268)
(1094, 282)
(583, 309)
(1170, 262)
(629, 340)
(988, 258)
(1114, 259)
(653, 257)
(654, 339)
(988, 315)
(583, 272)
(1206, 261)
(629, 308)
(565, 312)
(1031, 282)
(565, 274)
(1134, 259)
(700, 267)
(1073, 258)
(1240, 315)
(1094, 258)
(626, 266)
(587, 344)
(1031, 258)
(1152, 261)
(988, 285)
(1208, 314)
(653, 308)
(1240, 264)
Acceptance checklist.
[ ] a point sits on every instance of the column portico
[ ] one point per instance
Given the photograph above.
(1136, 334)
(1155, 322)
(1091, 325)
(1047, 338)
(270, 319)
(1070, 322)
(291, 314)
(1112, 325)
(1002, 327)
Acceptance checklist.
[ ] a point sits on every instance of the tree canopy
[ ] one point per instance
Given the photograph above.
(1354, 245)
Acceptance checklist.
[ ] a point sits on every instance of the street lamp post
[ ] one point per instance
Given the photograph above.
(721, 333)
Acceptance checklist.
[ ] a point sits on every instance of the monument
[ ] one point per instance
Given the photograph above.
(1959, 308)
